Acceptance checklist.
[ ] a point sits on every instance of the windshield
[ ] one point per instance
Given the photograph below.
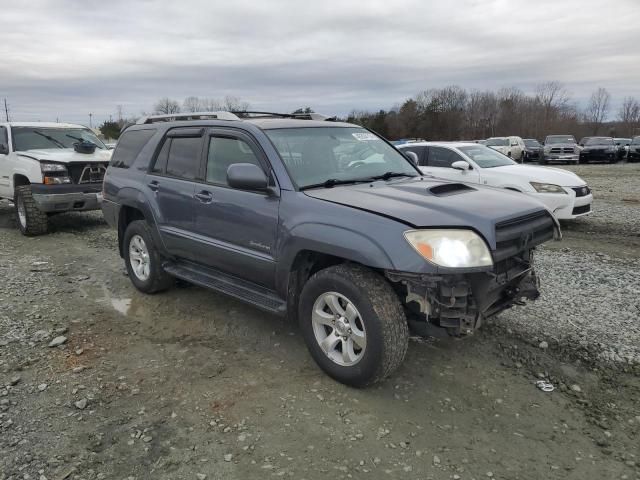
(559, 139)
(497, 142)
(622, 141)
(532, 143)
(635, 141)
(486, 157)
(315, 155)
(599, 141)
(32, 138)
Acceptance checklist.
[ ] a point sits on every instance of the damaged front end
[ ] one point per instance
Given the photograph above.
(459, 302)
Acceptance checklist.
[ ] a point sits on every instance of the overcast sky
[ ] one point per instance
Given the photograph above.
(66, 58)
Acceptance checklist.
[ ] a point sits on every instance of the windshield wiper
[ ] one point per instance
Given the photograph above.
(82, 140)
(388, 175)
(50, 138)
(332, 182)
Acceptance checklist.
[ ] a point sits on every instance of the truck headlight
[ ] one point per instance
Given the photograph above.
(451, 248)
(54, 173)
(52, 167)
(547, 188)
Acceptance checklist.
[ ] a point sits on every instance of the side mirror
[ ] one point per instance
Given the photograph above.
(4, 149)
(247, 176)
(412, 157)
(461, 165)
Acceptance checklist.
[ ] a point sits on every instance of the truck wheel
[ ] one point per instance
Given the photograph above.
(142, 259)
(353, 324)
(31, 221)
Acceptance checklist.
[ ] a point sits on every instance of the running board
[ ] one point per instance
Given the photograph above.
(235, 287)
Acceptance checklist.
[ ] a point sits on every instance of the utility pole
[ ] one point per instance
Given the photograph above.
(90, 120)
(6, 110)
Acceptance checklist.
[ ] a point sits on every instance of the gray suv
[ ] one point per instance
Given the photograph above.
(323, 221)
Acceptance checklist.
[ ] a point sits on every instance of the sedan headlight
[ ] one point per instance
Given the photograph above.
(547, 188)
(451, 248)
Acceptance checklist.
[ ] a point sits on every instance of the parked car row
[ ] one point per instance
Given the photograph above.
(565, 149)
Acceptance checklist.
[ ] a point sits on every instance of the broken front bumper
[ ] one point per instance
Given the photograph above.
(66, 198)
(460, 302)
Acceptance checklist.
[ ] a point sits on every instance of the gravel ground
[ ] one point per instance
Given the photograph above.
(590, 300)
(98, 381)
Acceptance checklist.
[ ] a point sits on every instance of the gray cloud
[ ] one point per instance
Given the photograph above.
(64, 59)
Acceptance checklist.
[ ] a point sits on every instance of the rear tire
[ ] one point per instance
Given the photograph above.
(344, 297)
(31, 221)
(142, 259)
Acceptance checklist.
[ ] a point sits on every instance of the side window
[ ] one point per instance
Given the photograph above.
(161, 160)
(442, 157)
(184, 157)
(420, 152)
(225, 151)
(3, 136)
(129, 146)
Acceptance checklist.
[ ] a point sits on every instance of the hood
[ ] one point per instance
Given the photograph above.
(532, 173)
(417, 203)
(560, 145)
(67, 155)
(499, 148)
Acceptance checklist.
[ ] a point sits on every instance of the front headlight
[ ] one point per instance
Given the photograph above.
(450, 248)
(547, 188)
(53, 167)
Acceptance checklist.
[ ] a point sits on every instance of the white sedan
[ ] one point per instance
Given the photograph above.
(563, 192)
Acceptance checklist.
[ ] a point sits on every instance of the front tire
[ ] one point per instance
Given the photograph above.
(31, 221)
(353, 324)
(142, 259)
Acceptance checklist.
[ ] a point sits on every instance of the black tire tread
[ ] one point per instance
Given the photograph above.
(389, 310)
(37, 221)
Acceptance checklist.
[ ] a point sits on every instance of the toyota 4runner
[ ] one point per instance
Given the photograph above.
(48, 168)
(321, 220)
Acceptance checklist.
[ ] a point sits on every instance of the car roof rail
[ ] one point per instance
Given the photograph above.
(300, 116)
(170, 117)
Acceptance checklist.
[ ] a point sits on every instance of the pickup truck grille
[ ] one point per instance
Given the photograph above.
(522, 233)
(82, 173)
(562, 150)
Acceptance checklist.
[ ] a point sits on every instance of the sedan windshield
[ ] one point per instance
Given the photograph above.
(497, 142)
(316, 156)
(559, 139)
(599, 141)
(32, 138)
(635, 141)
(486, 157)
(622, 141)
(532, 143)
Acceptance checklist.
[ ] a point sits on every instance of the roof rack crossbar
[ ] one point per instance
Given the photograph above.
(219, 115)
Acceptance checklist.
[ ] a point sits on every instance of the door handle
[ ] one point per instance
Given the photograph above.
(204, 196)
(153, 186)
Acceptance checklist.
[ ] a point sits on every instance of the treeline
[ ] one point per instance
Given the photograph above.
(454, 113)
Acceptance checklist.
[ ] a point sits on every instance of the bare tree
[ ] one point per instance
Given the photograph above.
(166, 106)
(554, 100)
(234, 104)
(598, 108)
(629, 112)
(192, 104)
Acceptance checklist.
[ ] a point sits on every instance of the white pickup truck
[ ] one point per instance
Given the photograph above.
(48, 168)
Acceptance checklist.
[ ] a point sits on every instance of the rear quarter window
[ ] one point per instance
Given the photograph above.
(129, 147)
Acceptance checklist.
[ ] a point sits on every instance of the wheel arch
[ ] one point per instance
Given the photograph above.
(129, 212)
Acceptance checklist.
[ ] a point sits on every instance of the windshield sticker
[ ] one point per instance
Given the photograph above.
(364, 137)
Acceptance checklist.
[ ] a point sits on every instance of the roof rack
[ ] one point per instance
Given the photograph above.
(170, 117)
(300, 116)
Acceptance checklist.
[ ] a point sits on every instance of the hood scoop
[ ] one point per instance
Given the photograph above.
(447, 189)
